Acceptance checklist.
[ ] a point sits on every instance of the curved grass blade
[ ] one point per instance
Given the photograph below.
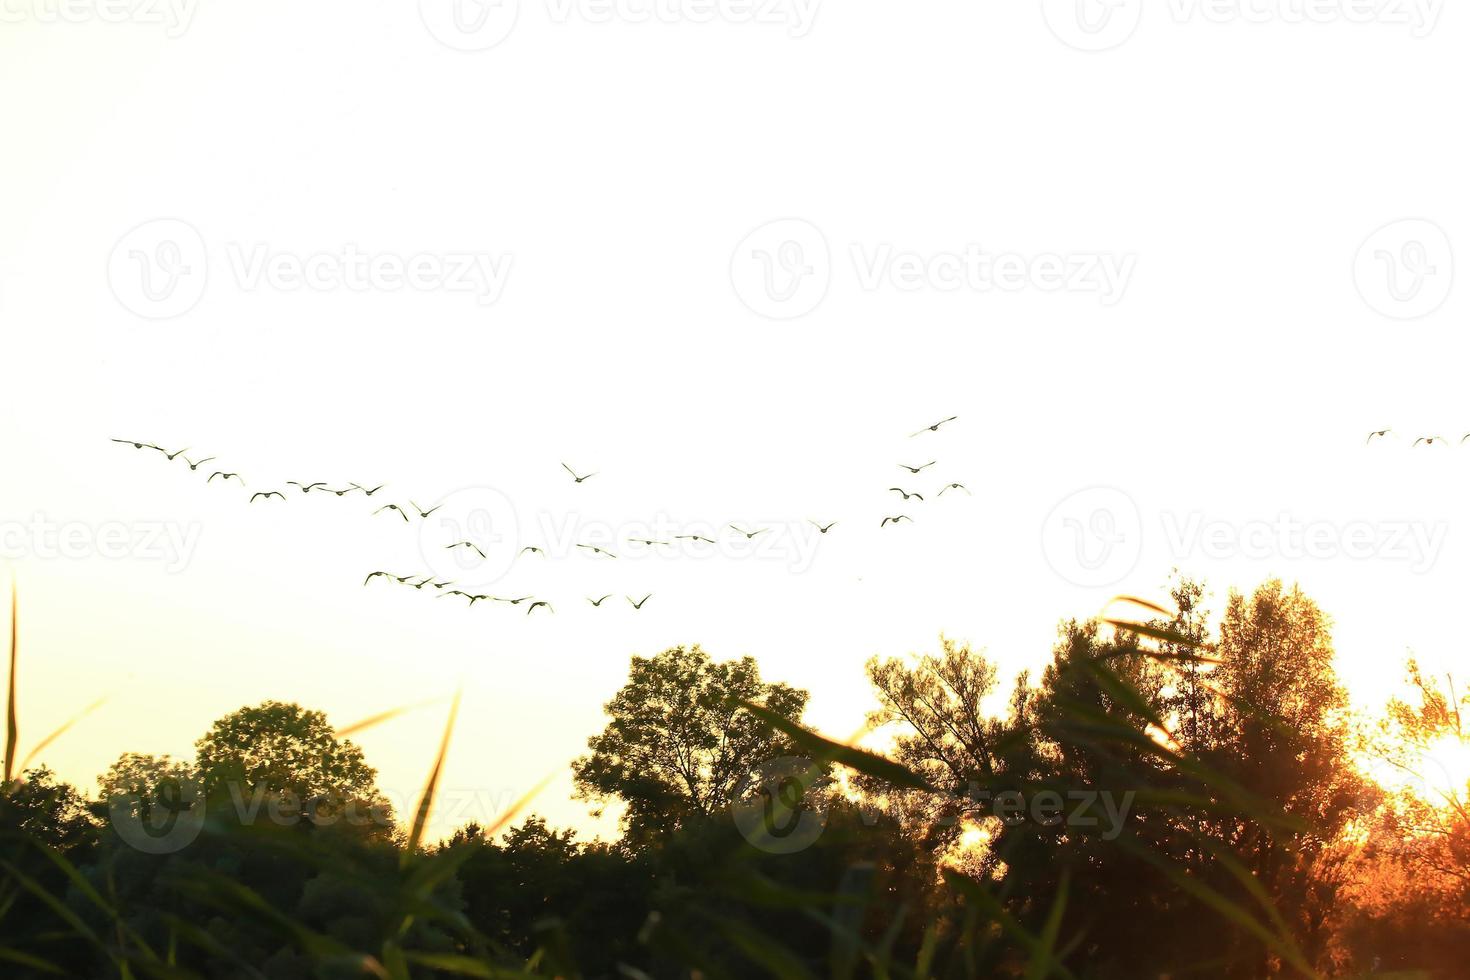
(826, 750)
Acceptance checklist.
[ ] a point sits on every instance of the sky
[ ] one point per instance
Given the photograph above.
(1169, 264)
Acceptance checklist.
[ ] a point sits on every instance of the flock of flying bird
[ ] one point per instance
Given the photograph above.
(1422, 440)
(442, 588)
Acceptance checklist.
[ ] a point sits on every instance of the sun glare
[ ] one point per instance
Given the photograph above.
(1446, 769)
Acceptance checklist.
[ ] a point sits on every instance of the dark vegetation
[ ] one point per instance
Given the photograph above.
(1162, 801)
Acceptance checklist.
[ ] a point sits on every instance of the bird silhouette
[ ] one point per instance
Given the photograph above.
(393, 507)
(137, 445)
(598, 602)
(694, 537)
(305, 487)
(954, 486)
(575, 477)
(375, 575)
(267, 495)
(1429, 440)
(649, 542)
(539, 603)
(514, 602)
(172, 456)
(906, 494)
(402, 579)
(934, 427)
(1379, 434)
(340, 493)
(424, 514)
(748, 534)
(423, 582)
(441, 586)
(820, 528)
(359, 486)
(195, 466)
(916, 469)
(532, 549)
(640, 602)
(895, 520)
(466, 544)
(596, 550)
(225, 476)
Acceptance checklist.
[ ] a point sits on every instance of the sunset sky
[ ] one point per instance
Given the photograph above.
(1182, 346)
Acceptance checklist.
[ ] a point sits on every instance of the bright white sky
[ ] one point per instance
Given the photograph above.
(1234, 169)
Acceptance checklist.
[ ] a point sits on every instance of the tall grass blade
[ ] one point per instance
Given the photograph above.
(41, 745)
(426, 802)
(11, 729)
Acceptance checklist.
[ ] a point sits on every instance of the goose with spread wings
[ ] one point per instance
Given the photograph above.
(934, 427)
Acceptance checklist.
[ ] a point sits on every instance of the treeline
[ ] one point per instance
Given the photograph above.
(1166, 799)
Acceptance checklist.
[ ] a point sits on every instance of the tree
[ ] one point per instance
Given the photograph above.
(284, 750)
(679, 743)
(141, 775)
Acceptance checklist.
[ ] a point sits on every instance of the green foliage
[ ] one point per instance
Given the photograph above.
(1208, 831)
(681, 743)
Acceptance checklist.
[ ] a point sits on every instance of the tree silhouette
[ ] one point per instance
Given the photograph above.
(680, 744)
(289, 753)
